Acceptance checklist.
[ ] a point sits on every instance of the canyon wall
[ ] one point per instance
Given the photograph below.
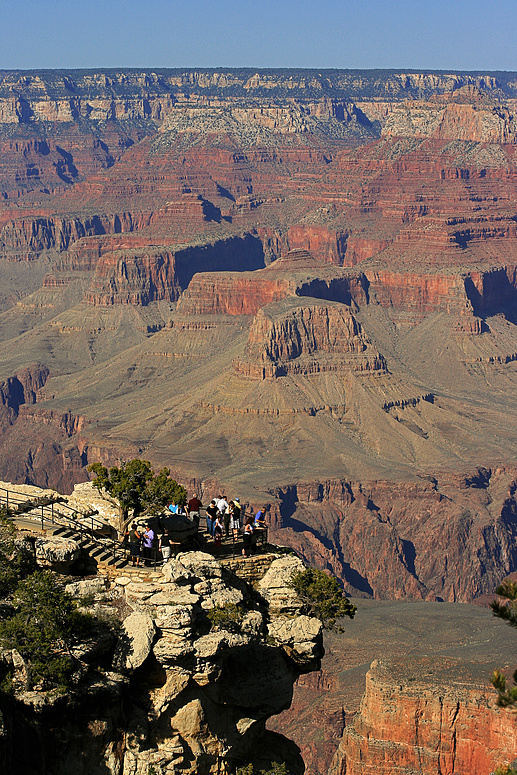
(427, 716)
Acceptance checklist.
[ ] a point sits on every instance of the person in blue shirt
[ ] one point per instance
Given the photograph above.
(260, 517)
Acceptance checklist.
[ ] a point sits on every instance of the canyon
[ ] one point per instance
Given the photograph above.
(299, 287)
(295, 286)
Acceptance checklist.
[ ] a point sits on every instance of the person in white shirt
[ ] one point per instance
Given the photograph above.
(222, 504)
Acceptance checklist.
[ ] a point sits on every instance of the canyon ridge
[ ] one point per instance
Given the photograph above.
(295, 286)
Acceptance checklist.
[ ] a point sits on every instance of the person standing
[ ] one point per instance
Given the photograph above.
(148, 539)
(134, 538)
(193, 507)
(248, 536)
(235, 518)
(218, 532)
(165, 545)
(211, 513)
(223, 506)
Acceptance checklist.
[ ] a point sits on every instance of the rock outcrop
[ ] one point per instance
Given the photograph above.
(196, 695)
(427, 716)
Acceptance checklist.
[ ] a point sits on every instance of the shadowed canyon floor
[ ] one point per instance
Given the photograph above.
(300, 291)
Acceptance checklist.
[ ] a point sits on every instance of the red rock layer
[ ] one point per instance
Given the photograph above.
(427, 716)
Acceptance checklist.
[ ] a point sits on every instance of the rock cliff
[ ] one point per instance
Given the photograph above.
(427, 658)
(427, 716)
(180, 693)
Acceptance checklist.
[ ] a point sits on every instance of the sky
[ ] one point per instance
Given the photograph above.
(403, 34)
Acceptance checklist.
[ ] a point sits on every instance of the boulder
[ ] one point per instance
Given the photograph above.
(87, 587)
(135, 643)
(57, 554)
(88, 499)
(301, 638)
(274, 586)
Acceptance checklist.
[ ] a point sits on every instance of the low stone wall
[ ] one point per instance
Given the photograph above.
(249, 569)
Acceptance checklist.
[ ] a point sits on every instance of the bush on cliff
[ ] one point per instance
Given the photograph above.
(277, 769)
(226, 617)
(508, 612)
(137, 488)
(43, 629)
(507, 695)
(14, 564)
(322, 597)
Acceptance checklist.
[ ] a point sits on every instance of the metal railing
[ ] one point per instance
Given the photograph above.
(50, 512)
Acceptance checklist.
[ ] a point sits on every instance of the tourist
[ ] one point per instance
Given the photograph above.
(235, 518)
(193, 507)
(211, 513)
(148, 539)
(222, 504)
(248, 536)
(165, 545)
(260, 517)
(134, 538)
(218, 531)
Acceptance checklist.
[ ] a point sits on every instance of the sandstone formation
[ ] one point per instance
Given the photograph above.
(181, 694)
(295, 286)
(57, 554)
(428, 716)
(426, 657)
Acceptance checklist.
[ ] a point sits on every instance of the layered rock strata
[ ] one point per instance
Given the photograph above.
(427, 716)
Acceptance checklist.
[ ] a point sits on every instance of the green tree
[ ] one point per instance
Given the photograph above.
(507, 695)
(507, 611)
(137, 488)
(322, 597)
(14, 564)
(45, 626)
(277, 768)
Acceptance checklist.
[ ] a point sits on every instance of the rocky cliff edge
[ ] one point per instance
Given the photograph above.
(184, 692)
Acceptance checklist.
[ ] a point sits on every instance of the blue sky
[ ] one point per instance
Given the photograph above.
(437, 34)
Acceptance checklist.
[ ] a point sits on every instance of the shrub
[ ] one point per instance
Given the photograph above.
(322, 597)
(13, 564)
(508, 612)
(226, 617)
(276, 769)
(44, 628)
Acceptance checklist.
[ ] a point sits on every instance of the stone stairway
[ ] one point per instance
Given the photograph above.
(36, 510)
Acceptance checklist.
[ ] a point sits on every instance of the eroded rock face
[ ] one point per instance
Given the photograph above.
(218, 687)
(429, 716)
(199, 695)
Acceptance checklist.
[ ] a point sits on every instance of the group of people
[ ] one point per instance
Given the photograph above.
(222, 516)
(143, 542)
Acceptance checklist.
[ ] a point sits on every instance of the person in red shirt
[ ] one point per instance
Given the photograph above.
(193, 507)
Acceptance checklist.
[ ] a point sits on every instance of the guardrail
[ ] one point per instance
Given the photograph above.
(51, 513)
